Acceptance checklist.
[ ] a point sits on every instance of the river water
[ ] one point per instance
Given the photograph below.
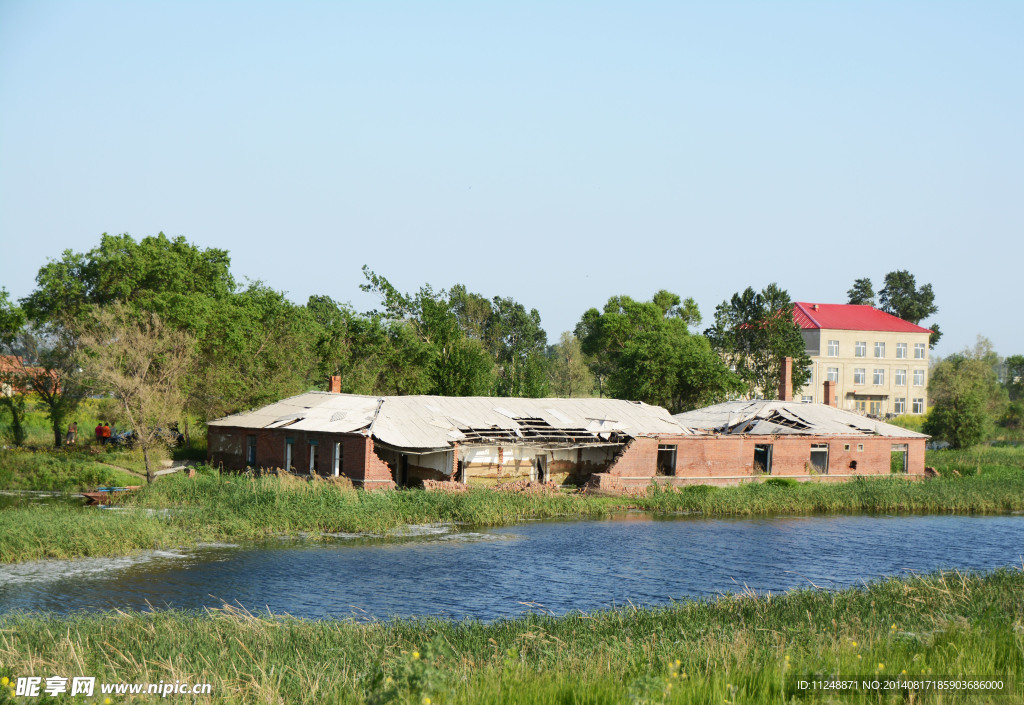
(555, 567)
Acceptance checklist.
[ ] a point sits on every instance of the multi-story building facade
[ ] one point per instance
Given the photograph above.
(879, 362)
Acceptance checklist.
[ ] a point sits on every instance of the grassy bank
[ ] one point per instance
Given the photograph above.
(737, 649)
(62, 471)
(230, 507)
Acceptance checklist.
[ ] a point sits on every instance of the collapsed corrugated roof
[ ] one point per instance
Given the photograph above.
(429, 422)
(765, 417)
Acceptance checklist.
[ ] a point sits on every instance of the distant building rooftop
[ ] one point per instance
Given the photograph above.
(850, 317)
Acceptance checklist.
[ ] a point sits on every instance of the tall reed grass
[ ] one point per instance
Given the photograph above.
(234, 507)
(736, 649)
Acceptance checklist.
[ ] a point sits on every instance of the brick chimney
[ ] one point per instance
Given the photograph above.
(334, 385)
(786, 380)
(830, 392)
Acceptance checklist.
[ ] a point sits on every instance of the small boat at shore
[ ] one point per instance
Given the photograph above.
(102, 495)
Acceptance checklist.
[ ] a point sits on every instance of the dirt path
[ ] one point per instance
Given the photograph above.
(118, 467)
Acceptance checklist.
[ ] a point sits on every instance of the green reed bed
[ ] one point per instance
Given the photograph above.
(234, 507)
(736, 649)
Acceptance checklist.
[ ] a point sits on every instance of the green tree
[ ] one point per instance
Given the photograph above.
(252, 344)
(965, 399)
(755, 332)
(652, 356)
(568, 373)
(429, 341)
(1014, 377)
(259, 347)
(12, 382)
(904, 299)
(170, 277)
(348, 345)
(862, 293)
(518, 344)
(50, 368)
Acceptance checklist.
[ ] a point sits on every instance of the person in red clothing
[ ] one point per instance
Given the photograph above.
(106, 434)
(99, 433)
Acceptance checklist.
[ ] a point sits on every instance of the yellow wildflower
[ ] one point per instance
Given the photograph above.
(854, 643)
(881, 667)
(426, 701)
(415, 655)
(5, 680)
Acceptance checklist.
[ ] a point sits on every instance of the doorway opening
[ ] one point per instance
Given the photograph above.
(763, 459)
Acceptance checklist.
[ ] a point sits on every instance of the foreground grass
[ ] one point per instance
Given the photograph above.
(737, 649)
(179, 511)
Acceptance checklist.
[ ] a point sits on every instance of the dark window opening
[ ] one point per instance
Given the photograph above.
(819, 458)
(763, 459)
(402, 477)
(667, 460)
(250, 453)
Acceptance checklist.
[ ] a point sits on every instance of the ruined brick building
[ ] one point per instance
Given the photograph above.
(607, 444)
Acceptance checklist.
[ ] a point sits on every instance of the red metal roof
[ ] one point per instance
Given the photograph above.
(850, 317)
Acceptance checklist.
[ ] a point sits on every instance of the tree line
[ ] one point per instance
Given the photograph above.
(164, 327)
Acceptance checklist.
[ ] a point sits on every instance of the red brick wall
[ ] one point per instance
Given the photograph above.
(227, 447)
(638, 458)
(729, 460)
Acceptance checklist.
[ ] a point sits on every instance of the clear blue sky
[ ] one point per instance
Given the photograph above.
(558, 153)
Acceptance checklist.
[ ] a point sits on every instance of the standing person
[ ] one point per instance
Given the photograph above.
(106, 434)
(99, 433)
(72, 434)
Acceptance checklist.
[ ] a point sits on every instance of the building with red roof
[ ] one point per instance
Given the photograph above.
(876, 363)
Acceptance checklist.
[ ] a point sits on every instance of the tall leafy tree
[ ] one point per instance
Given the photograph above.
(170, 277)
(904, 299)
(568, 373)
(862, 293)
(755, 332)
(966, 400)
(12, 381)
(426, 324)
(518, 343)
(1014, 377)
(41, 359)
(651, 354)
(51, 368)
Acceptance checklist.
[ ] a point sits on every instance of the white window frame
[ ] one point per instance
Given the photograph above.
(314, 456)
(901, 378)
(860, 375)
(880, 350)
(860, 348)
(918, 407)
(337, 458)
(832, 374)
(918, 378)
(878, 376)
(901, 351)
(900, 405)
(807, 399)
(920, 350)
(833, 348)
(289, 453)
